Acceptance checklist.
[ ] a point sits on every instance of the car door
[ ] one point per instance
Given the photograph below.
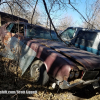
(16, 47)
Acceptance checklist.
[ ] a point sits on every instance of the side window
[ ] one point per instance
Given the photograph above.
(9, 27)
(87, 38)
(54, 35)
(16, 27)
(90, 36)
(30, 31)
(47, 34)
(39, 32)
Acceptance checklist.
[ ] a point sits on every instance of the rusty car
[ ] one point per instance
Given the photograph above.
(49, 58)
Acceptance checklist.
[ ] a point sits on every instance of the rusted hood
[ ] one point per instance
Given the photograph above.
(57, 65)
(86, 59)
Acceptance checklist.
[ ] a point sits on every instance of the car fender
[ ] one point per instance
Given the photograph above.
(16, 49)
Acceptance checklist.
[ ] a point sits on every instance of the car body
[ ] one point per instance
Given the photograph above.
(67, 67)
(83, 38)
(90, 41)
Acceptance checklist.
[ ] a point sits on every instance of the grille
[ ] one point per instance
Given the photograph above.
(90, 75)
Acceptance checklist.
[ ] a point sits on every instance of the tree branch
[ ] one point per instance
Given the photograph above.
(34, 11)
(80, 13)
(4, 2)
(51, 21)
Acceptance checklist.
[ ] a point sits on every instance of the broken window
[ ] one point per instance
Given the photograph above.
(9, 27)
(18, 29)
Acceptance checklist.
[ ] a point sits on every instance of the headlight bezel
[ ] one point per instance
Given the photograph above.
(72, 74)
(77, 74)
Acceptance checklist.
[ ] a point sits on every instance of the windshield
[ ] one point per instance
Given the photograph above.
(40, 32)
(68, 34)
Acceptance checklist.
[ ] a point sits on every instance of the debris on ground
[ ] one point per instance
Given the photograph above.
(8, 82)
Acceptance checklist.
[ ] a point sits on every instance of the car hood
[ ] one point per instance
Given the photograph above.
(86, 59)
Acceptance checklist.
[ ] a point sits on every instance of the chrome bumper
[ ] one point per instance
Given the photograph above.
(80, 83)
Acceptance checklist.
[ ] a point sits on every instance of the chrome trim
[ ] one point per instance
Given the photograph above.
(66, 85)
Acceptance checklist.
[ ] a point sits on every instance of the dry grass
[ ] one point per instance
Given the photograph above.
(10, 82)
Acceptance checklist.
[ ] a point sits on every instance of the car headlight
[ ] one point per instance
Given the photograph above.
(77, 74)
(71, 75)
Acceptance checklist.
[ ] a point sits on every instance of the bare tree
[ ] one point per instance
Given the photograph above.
(93, 15)
(66, 22)
(19, 8)
(55, 6)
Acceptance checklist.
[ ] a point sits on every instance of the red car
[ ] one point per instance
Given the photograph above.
(48, 57)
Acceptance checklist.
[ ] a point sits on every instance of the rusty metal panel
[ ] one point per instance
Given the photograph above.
(26, 57)
(88, 60)
(16, 49)
(56, 64)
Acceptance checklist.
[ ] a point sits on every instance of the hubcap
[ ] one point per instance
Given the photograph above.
(35, 72)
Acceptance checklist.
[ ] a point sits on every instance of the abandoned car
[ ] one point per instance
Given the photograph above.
(49, 59)
(83, 38)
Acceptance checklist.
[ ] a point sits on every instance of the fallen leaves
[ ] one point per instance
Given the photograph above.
(7, 82)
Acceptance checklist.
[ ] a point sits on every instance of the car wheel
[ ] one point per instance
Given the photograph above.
(38, 72)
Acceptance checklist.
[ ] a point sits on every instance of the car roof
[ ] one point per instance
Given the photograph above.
(29, 24)
(85, 29)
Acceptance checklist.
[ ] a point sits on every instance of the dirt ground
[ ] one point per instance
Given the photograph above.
(10, 80)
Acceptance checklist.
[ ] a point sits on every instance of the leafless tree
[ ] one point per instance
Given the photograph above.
(92, 15)
(65, 22)
(19, 8)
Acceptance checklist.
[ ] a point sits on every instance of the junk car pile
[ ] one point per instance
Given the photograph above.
(49, 58)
